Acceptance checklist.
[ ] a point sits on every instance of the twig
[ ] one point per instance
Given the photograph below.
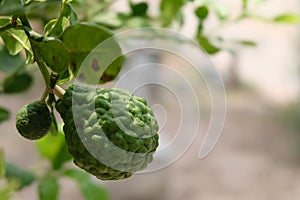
(58, 91)
(45, 95)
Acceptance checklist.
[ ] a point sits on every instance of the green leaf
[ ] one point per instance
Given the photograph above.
(207, 45)
(4, 21)
(111, 20)
(287, 18)
(11, 7)
(169, 9)
(16, 41)
(29, 57)
(7, 192)
(78, 40)
(77, 175)
(65, 77)
(202, 12)
(89, 189)
(138, 9)
(16, 83)
(49, 27)
(12, 44)
(56, 27)
(44, 11)
(9, 63)
(55, 54)
(72, 13)
(48, 188)
(54, 149)
(78, 37)
(137, 22)
(2, 161)
(24, 177)
(4, 114)
(247, 43)
(62, 157)
(92, 191)
(54, 129)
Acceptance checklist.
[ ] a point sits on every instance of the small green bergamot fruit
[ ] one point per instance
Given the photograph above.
(109, 132)
(33, 121)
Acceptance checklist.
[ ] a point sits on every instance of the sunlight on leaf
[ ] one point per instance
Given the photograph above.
(287, 18)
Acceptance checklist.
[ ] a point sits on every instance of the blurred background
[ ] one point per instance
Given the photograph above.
(258, 154)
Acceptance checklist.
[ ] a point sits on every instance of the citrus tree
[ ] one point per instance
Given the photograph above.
(71, 30)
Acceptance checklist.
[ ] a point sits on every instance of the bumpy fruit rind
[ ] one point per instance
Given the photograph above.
(109, 132)
(33, 121)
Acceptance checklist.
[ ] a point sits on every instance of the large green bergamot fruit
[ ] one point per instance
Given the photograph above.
(34, 121)
(109, 132)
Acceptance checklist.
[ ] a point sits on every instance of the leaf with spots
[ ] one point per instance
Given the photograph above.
(55, 54)
(101, 64)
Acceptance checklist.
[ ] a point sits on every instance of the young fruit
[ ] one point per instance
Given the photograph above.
(33, 121)
(109, 132)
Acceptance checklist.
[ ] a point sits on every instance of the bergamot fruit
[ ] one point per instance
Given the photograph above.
(33, 121)
(109, 132)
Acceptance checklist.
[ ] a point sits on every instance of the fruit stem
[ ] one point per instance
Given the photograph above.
(39, 60)
(58, 91)
(42, 66)
(45, 95)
